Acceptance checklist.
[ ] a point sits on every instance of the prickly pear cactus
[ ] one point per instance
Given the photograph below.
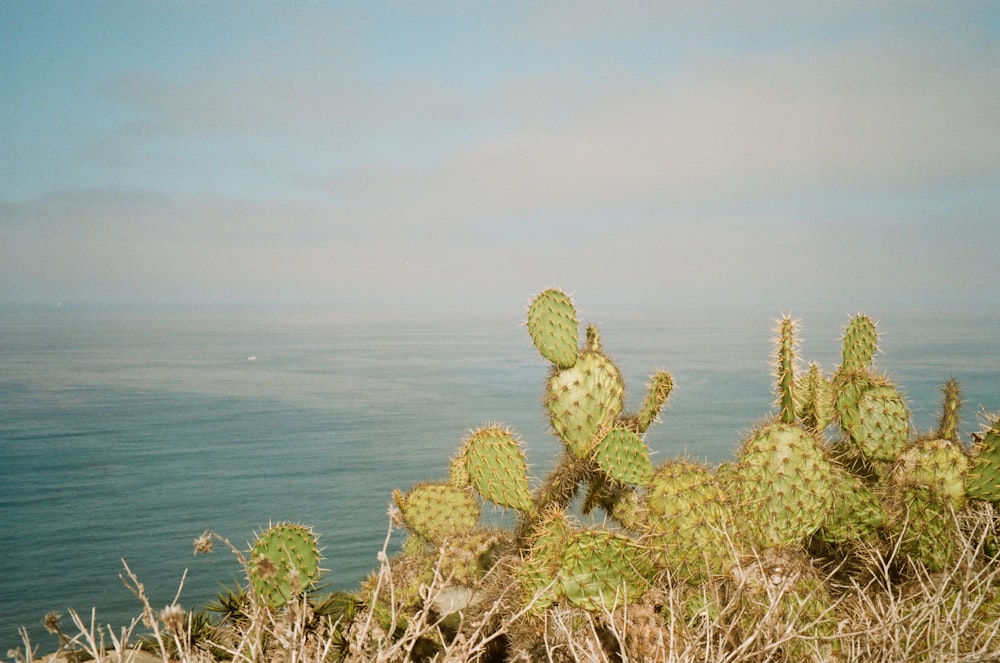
(874, 415)
(689, 525)
(283, 563)
(584, 401)
(923, 523)
(860, 345)
(784, 370)
(814, 395)
(857, 513)
(553, 327)
(784, 484)
(494, 464)
(948, 423)
(592, 569)
(602, 570)
(623, 456)
(984, 476)
(661, 384)
(939, 464)
(437, 511)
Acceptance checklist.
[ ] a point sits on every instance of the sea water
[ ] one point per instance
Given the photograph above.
(125, 433)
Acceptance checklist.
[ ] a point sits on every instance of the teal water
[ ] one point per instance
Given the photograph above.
(126, 433)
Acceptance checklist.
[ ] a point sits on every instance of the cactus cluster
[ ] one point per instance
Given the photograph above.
(835, 467)
(836, 464)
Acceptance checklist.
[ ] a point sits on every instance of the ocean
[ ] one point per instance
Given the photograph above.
(127, 432)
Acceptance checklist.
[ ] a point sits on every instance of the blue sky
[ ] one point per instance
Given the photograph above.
(460, 153)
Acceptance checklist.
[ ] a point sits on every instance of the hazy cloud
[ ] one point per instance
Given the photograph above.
(702, 151)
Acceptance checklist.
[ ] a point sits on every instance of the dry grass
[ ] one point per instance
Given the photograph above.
(869, 605)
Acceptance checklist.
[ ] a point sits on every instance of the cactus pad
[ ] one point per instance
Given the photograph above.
(984, 477)
(860, 344)
(553, 327)
(495, 464)
(622, 455)
(583, 401)
(660, 385)
(882, 424)
(437, 511)
(283, 563)
(784, 484)
(814, 399)
(941, 465)
(689, 523)
(856, 514)
(784, 370)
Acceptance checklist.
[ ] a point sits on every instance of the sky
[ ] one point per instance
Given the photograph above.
(474, 153)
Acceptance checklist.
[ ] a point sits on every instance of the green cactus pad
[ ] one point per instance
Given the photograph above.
(537, 573)
(622, 455)
(785, 484)
(495, 464)
(941, 465)
(849, 388)
(860, 344)
(283, 563)
(584, 401)
(984, 476)
(814, 399)
(924, 524)
(689, 524)
(856, 514)
(553, 327)
(601, 570)
(437, 511)
(882, 424)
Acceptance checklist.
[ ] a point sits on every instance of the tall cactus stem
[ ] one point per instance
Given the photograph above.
(784, 367)
(948, 424)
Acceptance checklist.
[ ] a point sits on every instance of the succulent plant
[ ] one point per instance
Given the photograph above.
(814, 396)
(948, 422)
(592, 569)
(784, 484)
(622, 455)
(784, 369)
(939, 464)
(437, 511)
(984, 475)
(860, 345)
(857, 513)
(283, 563)
(688, 524)
(923, 522)
(492, 462)
(584, 401)
(552, 325)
